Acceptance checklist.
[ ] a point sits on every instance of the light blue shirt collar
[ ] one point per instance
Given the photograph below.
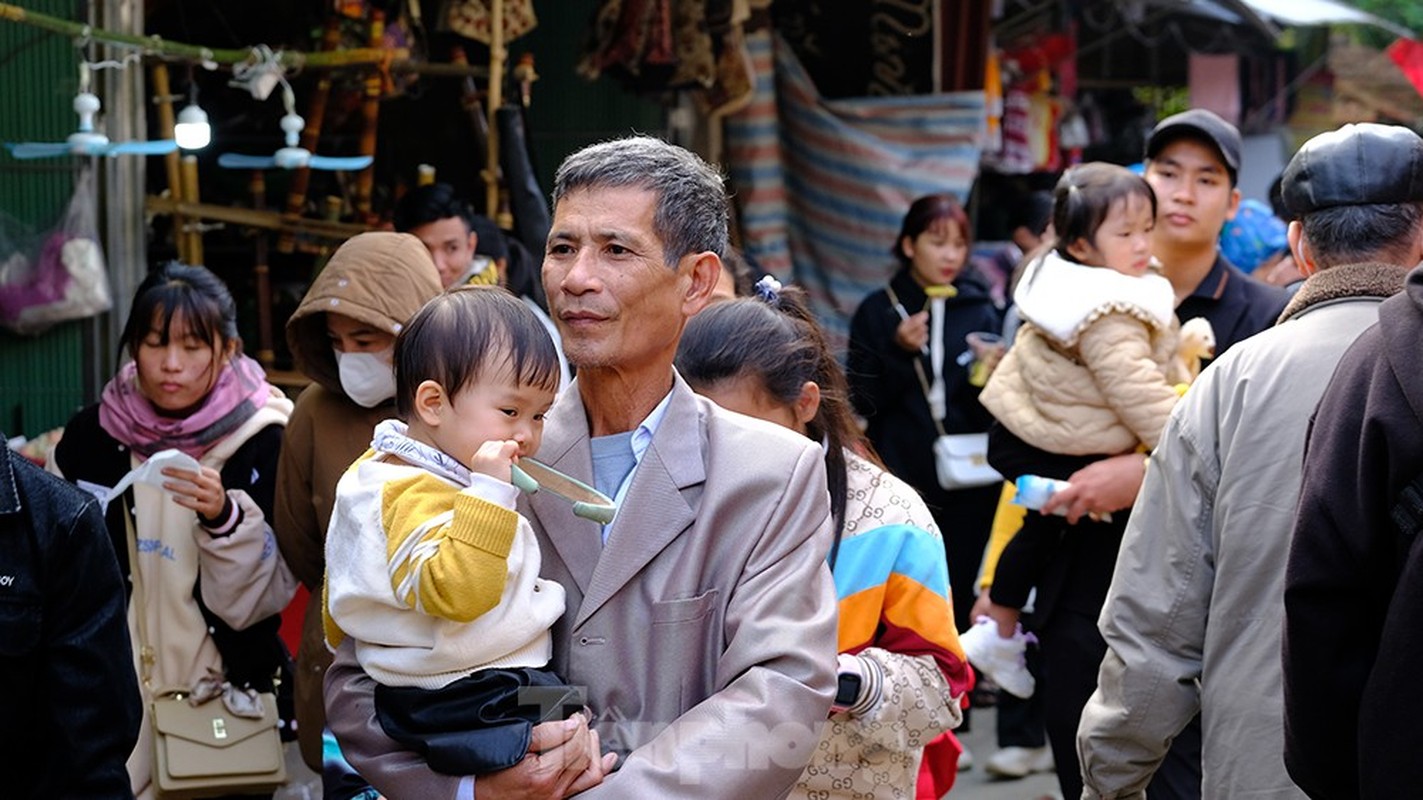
(641, 440)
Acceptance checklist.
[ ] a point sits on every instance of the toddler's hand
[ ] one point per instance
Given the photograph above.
(494, 457)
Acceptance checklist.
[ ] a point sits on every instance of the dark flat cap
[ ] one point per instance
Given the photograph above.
(1200, 124)
(1358, 164)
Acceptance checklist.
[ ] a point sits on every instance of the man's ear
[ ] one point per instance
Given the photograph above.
(1234, 203)
(808, 404)
(473, 242)
(704, 272)
(430, 403)
(1300, 249)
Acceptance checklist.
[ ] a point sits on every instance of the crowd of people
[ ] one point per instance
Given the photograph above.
(1211, 600)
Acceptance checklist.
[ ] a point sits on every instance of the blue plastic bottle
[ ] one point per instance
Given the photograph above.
(1035, 490)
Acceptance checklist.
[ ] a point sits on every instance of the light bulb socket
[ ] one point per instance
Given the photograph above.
(193, 132)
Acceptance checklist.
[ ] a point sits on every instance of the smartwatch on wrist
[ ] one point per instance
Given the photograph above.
(847, 691)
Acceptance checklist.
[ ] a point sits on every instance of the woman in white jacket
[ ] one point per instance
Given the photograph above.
(212, 578)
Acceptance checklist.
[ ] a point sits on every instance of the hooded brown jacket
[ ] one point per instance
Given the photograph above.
(380, 279)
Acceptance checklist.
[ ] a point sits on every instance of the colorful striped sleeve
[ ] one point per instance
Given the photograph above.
(893, 587)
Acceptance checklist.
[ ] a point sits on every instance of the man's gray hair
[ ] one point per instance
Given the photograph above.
(1383, 232)
(691, 214)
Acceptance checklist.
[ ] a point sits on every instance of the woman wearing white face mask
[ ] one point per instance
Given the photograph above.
(341, 337)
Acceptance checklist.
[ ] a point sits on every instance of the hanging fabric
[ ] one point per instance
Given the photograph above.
(823, 184)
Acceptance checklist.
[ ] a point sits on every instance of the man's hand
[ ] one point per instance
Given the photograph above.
(1101, 487)
(559, 754)
(598, 766)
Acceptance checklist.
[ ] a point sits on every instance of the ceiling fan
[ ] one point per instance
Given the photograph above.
(86, 141)
(292, 156)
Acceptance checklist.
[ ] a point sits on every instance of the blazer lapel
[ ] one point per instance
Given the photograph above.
(657, 508)
(577, 541)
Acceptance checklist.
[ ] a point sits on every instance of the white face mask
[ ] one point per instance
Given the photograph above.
(367, 378)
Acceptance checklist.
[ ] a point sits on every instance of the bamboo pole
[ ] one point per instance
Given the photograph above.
(310, 135)
(163, 95)
(192, 228)
(497, 56)
(262, 273)
(398, 58)
(370, 110)
(265, 219)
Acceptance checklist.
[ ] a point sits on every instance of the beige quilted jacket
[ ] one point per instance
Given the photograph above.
(1103, 384)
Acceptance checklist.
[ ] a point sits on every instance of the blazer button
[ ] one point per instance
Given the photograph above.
(583, 641)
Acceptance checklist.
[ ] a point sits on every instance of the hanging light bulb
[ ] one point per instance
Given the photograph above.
(192, 131)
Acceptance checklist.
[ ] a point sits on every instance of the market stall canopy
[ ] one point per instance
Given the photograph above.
(1320, 12)
(1270, 15)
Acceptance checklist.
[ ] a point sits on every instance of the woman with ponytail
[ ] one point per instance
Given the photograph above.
(902, 672)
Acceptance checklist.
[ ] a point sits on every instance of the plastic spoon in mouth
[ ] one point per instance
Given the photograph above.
(589, 503)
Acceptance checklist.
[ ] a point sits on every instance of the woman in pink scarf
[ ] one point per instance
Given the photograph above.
(211, 576)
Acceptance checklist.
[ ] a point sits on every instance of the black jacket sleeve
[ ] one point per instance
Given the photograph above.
(89, 676)
(1342, 569)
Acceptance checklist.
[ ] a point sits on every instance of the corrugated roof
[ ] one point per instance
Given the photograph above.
(1270, 15)
(1319, 12)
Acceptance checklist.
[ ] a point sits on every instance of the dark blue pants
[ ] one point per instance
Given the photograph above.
(478, 724)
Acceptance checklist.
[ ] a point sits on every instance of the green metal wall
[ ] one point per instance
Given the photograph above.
(567, 111)
(41, 378)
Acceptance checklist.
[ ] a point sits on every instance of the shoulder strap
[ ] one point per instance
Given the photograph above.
(146, 657)
(918, 365)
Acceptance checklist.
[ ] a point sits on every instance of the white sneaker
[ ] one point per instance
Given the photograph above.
(965, 762)
(1002, 660)
(1019, 762)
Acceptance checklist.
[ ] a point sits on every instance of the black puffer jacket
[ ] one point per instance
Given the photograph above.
(69, 702)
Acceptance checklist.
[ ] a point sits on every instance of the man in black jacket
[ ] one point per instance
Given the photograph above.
(69, 706)
(1353, 650)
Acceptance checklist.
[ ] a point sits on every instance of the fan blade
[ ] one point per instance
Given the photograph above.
(241, 161)
(38, 149)
(349, 163)
(156, 147)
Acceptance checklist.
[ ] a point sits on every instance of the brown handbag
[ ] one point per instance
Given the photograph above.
(205, 750)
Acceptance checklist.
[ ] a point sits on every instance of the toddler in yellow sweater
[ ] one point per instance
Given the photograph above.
(430, 570)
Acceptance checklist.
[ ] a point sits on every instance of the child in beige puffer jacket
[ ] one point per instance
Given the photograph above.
(1096, 366)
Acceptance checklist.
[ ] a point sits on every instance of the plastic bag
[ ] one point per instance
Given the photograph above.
(64, 277)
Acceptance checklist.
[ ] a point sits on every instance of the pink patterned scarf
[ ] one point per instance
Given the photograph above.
(128, 416)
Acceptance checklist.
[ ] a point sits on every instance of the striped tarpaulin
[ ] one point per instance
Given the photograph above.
(822, 185)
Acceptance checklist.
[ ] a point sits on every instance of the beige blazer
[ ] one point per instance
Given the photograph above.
(705, 630)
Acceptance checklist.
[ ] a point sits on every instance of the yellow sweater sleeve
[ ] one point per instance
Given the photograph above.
(448, 550)
(1007, 521)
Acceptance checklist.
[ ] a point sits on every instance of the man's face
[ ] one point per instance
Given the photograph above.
(617, 303)
(1194, 197)
(451, 245)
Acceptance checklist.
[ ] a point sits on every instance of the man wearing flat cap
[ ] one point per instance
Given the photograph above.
(1194, 615)
(1353, 633)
